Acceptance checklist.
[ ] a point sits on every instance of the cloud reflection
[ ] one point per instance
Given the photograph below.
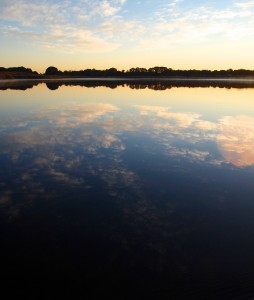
(5, 198)
(182, 134)
(181, 119)
(74, 146)
(236, 140)
(186, 134)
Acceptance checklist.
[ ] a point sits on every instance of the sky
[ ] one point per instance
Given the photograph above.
(81, 34)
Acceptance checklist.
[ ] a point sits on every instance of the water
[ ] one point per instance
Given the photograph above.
(129, 192)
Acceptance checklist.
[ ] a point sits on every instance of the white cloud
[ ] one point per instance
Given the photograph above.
(107, 9)
(205, 125)
(63, 26)
(245, 4)
(88, 26)
(67, 39)
(173, 25)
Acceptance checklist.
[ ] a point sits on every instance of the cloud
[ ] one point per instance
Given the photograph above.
(78, 113)
(90, 111)
(66, 144)
(195, 155)
(68, 39)
(65, 177)
(63, 26)
(47, 13)
(205, 125)
(107, 9)
(236, 140)
(81, 155)
(176, 24)
(64, 119)
(112, 141)
(233, 135)
(147, 109)
(33, 13)
(70, 143)
(101, 26)
(182, 119)
(182, 134)
(70, 152)
(5, 198)
(245, 4)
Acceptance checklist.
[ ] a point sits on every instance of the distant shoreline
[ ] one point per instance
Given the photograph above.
(137, 73)
(128, 79)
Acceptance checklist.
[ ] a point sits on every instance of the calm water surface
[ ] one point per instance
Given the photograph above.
(127, 192)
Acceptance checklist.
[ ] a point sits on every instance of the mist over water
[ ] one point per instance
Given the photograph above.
(137, 191)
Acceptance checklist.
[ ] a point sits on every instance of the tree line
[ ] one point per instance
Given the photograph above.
(137, 72)
(151, 72)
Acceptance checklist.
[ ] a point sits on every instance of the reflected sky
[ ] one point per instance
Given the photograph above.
(56, 135)
(75, 133)
(150, 172)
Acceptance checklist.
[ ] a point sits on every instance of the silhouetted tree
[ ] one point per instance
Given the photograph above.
(20, 70)
(51, 71)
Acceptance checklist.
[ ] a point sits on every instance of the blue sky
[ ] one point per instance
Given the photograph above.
(79, 34)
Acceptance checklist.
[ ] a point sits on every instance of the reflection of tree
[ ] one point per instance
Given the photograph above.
(18, 85)
(52, 85)
(159, 85)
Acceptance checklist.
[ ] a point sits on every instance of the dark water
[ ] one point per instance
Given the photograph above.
(129, 193)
